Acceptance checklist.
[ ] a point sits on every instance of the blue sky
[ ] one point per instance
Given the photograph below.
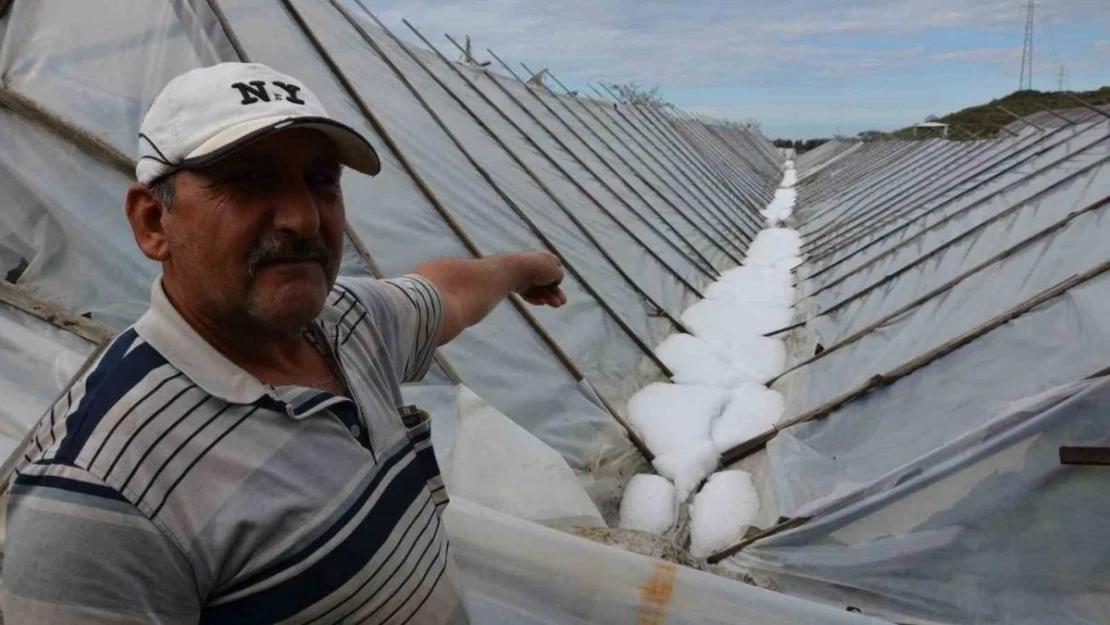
(802, 68)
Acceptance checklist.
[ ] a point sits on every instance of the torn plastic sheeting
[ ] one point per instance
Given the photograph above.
(860, 272)
(660, 239)
(1064, 339)
(75, 237)
(98, 70)
(402, 229)
(971, 532)
(37, 361)
(988, 172)
(961, 215)
(498, 464)
(470, 198)
(999, 287)
(519, 573)
(988, 243)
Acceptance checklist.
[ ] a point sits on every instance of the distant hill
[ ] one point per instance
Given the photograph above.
(986, 119)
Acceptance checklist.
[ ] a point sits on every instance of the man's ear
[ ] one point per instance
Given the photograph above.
(145, 213)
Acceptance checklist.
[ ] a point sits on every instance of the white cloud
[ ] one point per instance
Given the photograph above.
(985, 56)
(669, 43)
(721, 44)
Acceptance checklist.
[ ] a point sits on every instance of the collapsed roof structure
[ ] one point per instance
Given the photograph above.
(949, 331)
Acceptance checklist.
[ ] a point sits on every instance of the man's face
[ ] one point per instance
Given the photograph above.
(256, 239)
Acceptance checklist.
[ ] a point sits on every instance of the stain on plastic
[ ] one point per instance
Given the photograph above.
(656, 596)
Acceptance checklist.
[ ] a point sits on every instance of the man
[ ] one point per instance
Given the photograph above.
(237, 456)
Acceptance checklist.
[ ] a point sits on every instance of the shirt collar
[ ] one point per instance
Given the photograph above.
(168, 332)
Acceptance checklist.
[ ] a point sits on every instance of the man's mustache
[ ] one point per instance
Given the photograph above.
(285, 250)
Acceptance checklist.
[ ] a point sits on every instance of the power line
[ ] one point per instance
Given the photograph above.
(1025, 79)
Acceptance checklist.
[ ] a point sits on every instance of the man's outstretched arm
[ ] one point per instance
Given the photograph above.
(471, 288)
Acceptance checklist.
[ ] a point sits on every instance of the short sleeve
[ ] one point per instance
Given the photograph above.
(408, 314)
(77, 552)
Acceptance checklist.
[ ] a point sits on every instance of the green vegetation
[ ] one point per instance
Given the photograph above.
(986, 120)
(800, 146)
(635, 93)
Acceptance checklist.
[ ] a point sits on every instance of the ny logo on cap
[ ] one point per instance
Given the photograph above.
(255, 91)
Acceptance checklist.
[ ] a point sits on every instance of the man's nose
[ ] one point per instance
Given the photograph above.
(297, 211)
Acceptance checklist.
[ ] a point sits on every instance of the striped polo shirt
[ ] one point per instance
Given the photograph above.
(171, 486)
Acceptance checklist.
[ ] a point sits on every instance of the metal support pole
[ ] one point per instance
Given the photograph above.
(943, 288)
(718, 211)
(352, 236)
(745, 449)
(627, 165)
(890, 216)
(721, 236)
(433, 199)
(1067, 122)
(678, 148)
(681, 146)
(917, 235)
(700, 136)
(601, 248)
(529, 223)
(706, 270)
(1019, 118)
(1086, 105)
(519, 211)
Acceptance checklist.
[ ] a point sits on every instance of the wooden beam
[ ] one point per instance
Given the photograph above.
(26, 300)
(95, 146)
(778, 528)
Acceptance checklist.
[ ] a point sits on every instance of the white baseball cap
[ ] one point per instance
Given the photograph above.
(205, 114)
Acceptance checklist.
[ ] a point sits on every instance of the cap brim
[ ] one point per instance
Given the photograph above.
(354, 150)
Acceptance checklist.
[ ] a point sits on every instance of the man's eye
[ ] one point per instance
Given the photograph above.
(328, 181)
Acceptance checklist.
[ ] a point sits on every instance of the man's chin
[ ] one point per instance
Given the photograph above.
(289, 305)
